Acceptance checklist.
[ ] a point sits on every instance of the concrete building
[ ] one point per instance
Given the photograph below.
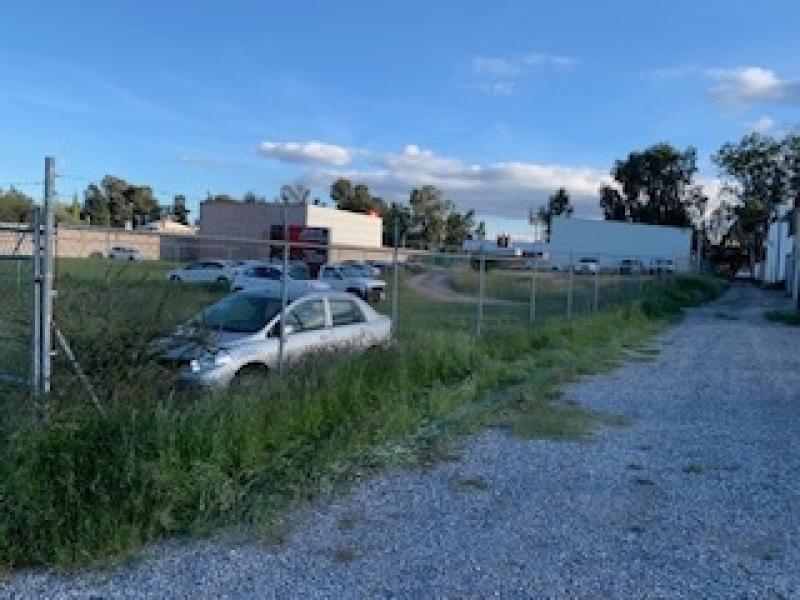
(255, 221)
(778, 249)
(611, 241)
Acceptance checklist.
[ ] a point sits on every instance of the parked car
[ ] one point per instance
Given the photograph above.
(124, 253)
(586, 265)
(629, 266)
(366, 269)
(267, 277)
(346, 278)
(662, 265)
(209, 271)
(238, 337)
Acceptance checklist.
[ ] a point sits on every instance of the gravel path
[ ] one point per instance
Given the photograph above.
(699, 497)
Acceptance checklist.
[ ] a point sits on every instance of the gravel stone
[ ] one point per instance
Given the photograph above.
(715, 430)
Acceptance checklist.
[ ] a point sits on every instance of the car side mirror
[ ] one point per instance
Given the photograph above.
(289, 329)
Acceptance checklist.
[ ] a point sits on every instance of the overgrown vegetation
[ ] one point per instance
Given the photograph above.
(783, 316)
(88, 486)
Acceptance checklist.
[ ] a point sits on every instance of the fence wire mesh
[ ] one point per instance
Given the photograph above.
(119, 288)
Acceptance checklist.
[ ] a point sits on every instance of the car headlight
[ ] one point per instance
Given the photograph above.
(212, 360)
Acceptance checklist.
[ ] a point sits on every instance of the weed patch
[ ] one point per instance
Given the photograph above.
(88, 485)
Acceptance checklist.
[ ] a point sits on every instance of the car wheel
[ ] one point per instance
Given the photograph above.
(248, 376)
(223, 281)
(174, 278)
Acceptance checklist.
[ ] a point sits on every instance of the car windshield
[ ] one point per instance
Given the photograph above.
(241, 313)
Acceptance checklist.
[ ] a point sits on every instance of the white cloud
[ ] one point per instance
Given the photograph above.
(498, 76)
(506, 189)
(762, 125)
(312, 152)
(750, 85)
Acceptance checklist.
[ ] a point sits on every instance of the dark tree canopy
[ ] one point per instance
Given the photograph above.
(558, 204)
(15, 206)
(655, 186)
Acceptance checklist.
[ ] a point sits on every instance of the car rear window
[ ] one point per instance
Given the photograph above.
(345, 312)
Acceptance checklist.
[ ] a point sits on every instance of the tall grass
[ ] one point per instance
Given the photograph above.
(90, 485)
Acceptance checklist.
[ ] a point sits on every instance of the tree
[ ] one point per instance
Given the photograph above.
(557, 204)
(613, 204)
(403, 215)
(459, 227)
(759, 180)
(655, 186)
(95, 206)
(15, 206)
(179, 211)
(355, 198)
(297, 193)
(429, 210)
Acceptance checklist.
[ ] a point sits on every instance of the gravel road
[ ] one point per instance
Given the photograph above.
(699, 497)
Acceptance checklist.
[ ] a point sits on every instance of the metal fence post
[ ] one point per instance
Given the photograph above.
(48, 264)
(395, 276)
(532, 313)
(570, 286)
(481, 284)
(596, 303)
(284, 287)
(36, 341)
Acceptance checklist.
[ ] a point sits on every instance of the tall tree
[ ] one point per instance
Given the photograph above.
(459, 227)
(95, 206)
(558, 203)
(758, 178)
(429, 209)
(655, 187)
(402, 214)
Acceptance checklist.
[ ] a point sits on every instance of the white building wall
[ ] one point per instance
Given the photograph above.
(611, 241)
(347, 228)
(778, 251)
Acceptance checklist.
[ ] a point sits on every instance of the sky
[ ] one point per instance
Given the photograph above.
(497, 103)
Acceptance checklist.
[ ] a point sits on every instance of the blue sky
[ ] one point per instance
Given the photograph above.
(497, 102)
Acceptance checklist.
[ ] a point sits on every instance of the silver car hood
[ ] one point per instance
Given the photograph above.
(189, 343)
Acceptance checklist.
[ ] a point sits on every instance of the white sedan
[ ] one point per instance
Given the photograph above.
(238, 338)
(209, 271)
(268, 277)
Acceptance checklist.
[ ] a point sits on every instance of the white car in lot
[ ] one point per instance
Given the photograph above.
(587, 265)
(208, 271)
(238, 338)
(125, 253)
(268, 277)
(662, 265)
(347, 278)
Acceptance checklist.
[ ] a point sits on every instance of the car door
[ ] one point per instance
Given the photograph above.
(309, 331)
(190, 272)
(348, 323)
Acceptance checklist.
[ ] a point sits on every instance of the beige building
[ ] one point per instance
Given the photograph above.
(254, 221)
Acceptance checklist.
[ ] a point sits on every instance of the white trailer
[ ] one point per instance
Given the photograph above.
(610, 242)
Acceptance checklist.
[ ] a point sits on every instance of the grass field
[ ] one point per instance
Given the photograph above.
(89, 485)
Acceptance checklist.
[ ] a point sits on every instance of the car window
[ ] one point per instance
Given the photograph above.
(331, 272)
(193, 266)
(307, 316)
(345, 312)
